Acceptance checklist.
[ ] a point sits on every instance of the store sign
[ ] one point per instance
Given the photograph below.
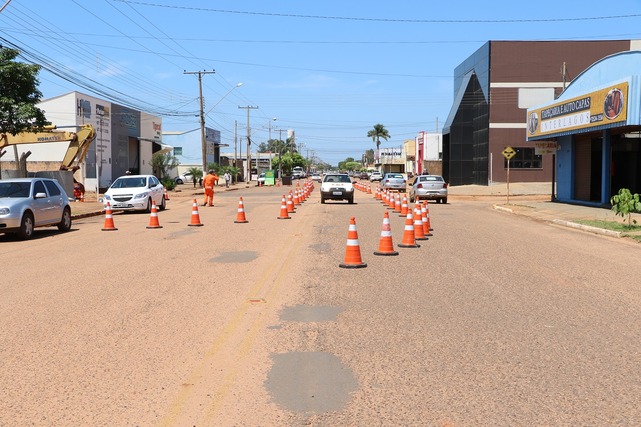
(605, 106)
(545, 147)
(178, 151)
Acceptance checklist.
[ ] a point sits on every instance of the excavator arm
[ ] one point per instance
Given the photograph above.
(78, 141)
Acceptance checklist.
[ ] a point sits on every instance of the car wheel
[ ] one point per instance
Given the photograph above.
(444, 200)
(179, 181)
(26, 226)
(322, 200)
(411, 198)
(351, 200)
(163, 205)
(148, 210)
(65, 223)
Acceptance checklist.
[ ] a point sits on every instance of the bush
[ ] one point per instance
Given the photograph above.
(625, 203)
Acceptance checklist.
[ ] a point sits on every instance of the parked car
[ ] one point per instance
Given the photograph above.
(184, 178)
(375, 176)
(298, 172)
(316, 177)
(394, 181)
(429, 187)
(135, 193)
(261, 179)
(27, 203)
(337, 186)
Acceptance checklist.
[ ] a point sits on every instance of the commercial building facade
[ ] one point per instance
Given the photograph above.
(596, 124)
(493, 88)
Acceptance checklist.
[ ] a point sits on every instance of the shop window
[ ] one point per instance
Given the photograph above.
(525, 158)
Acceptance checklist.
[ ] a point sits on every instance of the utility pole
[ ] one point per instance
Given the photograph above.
(235, 147)
(203, 140)
(249, 162)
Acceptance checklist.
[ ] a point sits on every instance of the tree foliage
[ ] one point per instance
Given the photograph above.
(19, 95)
(377, 133)
(625, 204)
(162, 163)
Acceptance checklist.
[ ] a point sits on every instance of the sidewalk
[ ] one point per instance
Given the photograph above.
(534, 200)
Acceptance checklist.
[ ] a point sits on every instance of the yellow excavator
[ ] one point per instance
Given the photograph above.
(78, 142)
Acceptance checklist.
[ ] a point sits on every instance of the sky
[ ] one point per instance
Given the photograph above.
(329, 70)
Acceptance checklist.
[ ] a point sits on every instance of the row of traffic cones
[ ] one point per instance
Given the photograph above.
(417, 227)
(154, 222)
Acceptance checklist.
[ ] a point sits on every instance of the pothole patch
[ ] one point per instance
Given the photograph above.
(235, 257)
(310, 382)
(310, 313)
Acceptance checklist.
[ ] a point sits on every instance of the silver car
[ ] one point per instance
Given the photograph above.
(27, 203)
(429, 187)
(394, 181)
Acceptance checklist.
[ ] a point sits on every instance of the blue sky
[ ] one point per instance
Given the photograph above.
(328, 70)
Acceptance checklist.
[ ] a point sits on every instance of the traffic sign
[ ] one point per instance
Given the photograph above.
(508, 152)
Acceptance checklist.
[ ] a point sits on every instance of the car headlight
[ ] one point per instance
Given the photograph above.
(107, 197)
(5, 211)
(141, 195)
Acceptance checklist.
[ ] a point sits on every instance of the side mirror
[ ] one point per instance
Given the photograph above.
(40, 196)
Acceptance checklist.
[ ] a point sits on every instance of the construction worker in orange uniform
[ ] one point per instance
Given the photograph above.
(208, 183)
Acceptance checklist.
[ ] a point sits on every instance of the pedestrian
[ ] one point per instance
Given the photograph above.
(194, 179)
(208, 183)
(200, 181)
(227, 179)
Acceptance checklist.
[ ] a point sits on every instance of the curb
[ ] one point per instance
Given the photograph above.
(588, 228)
(570, 224)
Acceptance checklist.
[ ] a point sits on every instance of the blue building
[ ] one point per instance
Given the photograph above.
(596, 123)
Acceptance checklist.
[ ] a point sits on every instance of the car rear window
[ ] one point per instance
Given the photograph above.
(52, 188)
(431, 178)
(395, 175)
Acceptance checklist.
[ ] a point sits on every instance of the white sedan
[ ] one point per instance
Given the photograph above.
(135, 193)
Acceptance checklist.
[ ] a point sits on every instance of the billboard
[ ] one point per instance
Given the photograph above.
(602, 107)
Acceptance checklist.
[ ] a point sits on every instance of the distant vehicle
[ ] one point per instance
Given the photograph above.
(375, 176)
(261, 179)
(298, 172)
(27, 203)
(363, 175)
(429, 187)
(394, 181)
(337, 186)
(184, 178)
(135, 193)
(316, 177)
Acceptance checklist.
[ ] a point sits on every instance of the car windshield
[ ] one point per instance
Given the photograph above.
(15, 189)
(337, 178)
(129, 182)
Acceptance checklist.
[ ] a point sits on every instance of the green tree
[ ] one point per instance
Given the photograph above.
(625, 203)
(162, 163)
(195, 171)
(377, 133)
(19, 95)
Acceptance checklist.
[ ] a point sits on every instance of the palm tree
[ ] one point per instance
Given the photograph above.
(376, 134)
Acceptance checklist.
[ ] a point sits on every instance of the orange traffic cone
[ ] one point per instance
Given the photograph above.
(109, 220)
(409, 241)
(166, 195)
(153, 218)
(290, 203)
(240, 217)
(397, 203)
(427, 226)
(353, 249)
(385, 246)
(419, 234)
(195, 216)
(403, 207)
(284, 213)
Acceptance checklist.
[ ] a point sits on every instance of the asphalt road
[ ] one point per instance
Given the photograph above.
(495, 320)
